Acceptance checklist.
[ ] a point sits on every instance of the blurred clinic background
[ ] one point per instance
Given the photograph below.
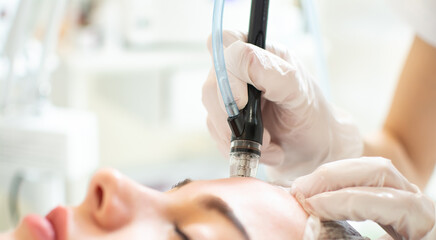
(117, 83)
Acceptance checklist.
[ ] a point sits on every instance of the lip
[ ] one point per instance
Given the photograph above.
(40, 228)
(58, 219)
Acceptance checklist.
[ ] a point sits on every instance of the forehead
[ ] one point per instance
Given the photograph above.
(247, 190)
(262, 208)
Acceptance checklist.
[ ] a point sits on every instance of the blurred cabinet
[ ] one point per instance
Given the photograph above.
(142, 100)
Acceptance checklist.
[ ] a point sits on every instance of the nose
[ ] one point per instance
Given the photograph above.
(113, 200)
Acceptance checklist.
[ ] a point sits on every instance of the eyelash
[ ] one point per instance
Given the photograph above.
(180, 233)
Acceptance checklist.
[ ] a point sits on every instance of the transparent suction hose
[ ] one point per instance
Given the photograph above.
(246, 125)
(218, 59)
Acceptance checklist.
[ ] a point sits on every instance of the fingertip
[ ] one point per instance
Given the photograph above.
(211, 97)
(294, 189)
(301, 199)
(307, 206)
(304, 185)
(239, 91)
(221, 101)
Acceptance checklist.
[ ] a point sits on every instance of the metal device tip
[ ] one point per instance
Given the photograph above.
(244, 164)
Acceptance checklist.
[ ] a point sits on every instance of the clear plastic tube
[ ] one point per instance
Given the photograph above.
(218, 59)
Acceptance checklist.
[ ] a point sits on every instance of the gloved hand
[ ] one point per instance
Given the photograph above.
(367, 189)
(302, 130)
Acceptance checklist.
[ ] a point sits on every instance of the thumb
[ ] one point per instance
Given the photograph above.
(239, 92)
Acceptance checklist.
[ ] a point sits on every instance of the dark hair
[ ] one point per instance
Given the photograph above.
(339, 230)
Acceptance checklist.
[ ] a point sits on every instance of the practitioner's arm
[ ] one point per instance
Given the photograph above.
(408, 136)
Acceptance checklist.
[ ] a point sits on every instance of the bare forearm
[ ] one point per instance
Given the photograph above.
(408, 136)
(385, 145)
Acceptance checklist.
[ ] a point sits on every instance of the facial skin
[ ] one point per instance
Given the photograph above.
(118, 208)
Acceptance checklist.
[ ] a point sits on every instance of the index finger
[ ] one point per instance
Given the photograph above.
(359, 172)
(229, 37)
(232, 36)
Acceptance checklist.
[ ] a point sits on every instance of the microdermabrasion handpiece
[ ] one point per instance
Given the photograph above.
(247, 128)
(246, 125)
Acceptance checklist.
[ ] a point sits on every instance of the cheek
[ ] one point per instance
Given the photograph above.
(137, 229)
(20, 233)
(144, 230)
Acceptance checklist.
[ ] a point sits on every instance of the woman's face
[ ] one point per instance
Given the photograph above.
(118, 208)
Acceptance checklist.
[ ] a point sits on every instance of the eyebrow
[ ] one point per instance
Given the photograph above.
(212, 202)
(181, 183)
(215, 203)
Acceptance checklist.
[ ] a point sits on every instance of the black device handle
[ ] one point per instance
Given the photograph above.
(258, 22)
(248, 124)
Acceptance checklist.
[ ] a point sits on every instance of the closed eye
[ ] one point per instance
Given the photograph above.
(182, 235)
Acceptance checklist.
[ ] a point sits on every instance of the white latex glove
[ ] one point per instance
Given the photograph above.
(367, 189)
(302, 130)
